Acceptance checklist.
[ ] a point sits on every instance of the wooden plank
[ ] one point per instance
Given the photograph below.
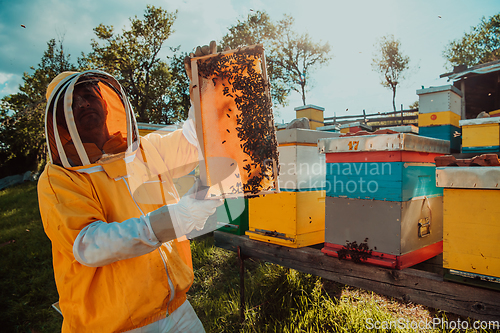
(471, 155)
(413, 285)
(486, 160)
(481, 160)
(434, 265)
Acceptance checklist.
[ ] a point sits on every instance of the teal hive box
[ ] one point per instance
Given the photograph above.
(232, 216)
(444, 132)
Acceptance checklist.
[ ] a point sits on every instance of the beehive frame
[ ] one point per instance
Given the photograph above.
(234, 121)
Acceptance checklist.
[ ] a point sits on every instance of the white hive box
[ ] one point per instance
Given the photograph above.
(302, 167)
(440, 99)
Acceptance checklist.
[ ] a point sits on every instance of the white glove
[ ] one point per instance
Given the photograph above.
(200, 51)
(175, 220)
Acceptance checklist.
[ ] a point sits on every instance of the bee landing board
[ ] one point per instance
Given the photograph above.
(232, 99)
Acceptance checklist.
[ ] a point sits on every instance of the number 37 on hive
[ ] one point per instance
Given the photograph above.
(353, 145)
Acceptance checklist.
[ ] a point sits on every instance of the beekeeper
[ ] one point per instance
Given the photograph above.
(115, 220)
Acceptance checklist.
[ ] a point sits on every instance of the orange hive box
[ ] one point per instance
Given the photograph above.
(231, 96)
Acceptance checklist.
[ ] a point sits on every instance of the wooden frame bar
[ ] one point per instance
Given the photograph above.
(417, 286)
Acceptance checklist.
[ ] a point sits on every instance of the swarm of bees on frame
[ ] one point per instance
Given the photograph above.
(255, 122)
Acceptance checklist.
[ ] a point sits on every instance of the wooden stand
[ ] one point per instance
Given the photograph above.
(417, 286)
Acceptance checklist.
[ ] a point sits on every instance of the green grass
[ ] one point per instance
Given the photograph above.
(27, 287)
(277, 299)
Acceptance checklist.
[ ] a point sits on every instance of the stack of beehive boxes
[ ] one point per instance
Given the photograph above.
(382, 204)
(471, 228)
(439, 113)
(295, 216)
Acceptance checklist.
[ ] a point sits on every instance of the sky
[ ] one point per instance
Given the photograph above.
(346, 86)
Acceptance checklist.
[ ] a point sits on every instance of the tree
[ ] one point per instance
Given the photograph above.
(297, 56)
(133, 59)
(390, 63)
(22, 130)
(176, 98)
(413, 106)
(480, 45)
(259, 29)
(290, 57)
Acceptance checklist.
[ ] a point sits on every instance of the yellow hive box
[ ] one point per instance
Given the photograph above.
(313, 113)
(471, 231)
(438, 118)
(482, 132)
(293, 219)
(481, 135)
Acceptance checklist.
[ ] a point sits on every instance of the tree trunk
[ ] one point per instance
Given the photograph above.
(303, 85)
(394, 99)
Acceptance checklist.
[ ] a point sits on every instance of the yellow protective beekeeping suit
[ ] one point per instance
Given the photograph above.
(135, 280)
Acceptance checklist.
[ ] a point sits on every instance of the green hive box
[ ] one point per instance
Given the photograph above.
(232, 216)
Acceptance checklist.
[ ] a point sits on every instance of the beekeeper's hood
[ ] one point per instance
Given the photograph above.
(64, 142)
